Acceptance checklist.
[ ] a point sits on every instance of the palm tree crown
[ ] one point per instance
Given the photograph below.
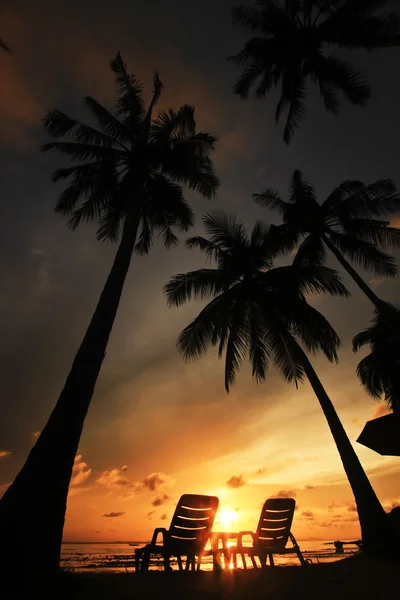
(132, 163)
(379, 371)
(290, 43)
(256, 310)
(346, 222)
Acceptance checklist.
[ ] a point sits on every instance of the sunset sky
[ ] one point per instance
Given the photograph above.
(158, 428)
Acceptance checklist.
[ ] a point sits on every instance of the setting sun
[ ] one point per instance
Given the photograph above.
(226, 518)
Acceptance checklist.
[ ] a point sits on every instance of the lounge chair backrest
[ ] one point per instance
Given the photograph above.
(192, 523)
(275, 523)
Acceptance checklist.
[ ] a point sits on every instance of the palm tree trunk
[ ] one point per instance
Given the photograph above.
(32, 511)
(377, 535)
(377, 302)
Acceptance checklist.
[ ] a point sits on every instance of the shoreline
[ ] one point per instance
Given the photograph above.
(352, 578)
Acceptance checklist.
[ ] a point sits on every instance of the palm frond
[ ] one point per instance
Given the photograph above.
(270, 198)
(237, 342)
(110, 124)
(373, 231)
(346, 189)
(225, 230)
(329, 96)
(80, 151)
(284, 351)
(247, 17)
(342, 75)
(169, 123)
(364, 254)
(247, 79)
(282, 239)
(211, 250)
(157, 89)
(95, 183)
(58, 124)
(315, 331)
(145, 240)
(375, 200)
(311, 252)
(259, 348)
(205, 329)
(166, 202)
(130, 102)
(301, 192)
(296, 111)
(200, 284)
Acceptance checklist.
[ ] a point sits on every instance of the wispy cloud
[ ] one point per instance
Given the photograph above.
(4, 453)
(286, 494)
(160, 500)
(236, 481)
(80, 471)
(114, 514)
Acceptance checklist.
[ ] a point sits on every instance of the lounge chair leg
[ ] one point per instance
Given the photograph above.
(198, 563)
(243, 561)
(263, 560)
(179, 558)
(253, 560)
(167, 566)
(271, 560)
(145, 561)
(301, 557)
(137, 561)
(234, 560)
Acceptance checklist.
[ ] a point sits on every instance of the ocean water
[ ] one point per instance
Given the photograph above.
(118, 557)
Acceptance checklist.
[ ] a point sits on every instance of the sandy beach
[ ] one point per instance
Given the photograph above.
(352, 578)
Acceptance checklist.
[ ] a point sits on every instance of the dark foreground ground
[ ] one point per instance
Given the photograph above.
(356, 578)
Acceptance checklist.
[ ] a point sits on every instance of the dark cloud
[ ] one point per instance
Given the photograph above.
(236, 481)
(286, 494)
(309, 486)
(153, 481)
(160, 500)
(114, 514)
(308, 515)
(163, 517)
(149, 514)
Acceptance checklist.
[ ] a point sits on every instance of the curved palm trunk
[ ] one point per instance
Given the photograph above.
(377, 302)
(377, 535)
(33, 508)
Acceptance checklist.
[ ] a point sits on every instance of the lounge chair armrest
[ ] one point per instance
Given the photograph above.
(241, 535)
(156, 532)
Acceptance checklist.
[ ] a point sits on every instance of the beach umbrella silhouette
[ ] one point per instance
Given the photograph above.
(382, 435)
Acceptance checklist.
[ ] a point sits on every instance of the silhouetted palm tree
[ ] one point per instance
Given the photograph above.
(345, 223)
(292, 44)
(261, 313)
(4, 46)
(379, 371)
(128, 178)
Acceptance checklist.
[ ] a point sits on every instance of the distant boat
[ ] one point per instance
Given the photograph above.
(134, 543)
(339, 544)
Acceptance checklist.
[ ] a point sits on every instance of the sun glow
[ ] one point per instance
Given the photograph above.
(227, 518)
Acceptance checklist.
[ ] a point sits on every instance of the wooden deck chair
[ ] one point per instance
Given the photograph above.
(272, 535)
(187, 535)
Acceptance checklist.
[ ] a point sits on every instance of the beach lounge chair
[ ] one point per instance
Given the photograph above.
(187, 535)
(272, 535)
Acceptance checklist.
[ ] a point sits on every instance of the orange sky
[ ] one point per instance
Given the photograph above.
(158, 428)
